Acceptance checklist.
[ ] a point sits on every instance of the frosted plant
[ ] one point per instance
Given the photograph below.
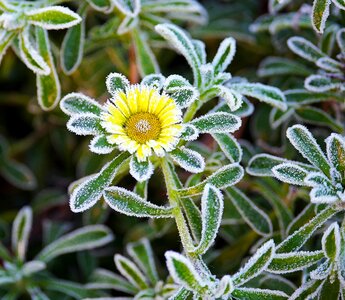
(19, 276)
(139, 275)
(24, 25)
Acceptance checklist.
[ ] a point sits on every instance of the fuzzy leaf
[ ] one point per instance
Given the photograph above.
(256, 218)
(224, 55)
(32, 267)
(84, 238)
(115, 82)
(301, 97)
(188, 159)
(53, 17)
(77, 103)
(335, 145)
(220, 122)
(262, 164)
(308, 290)
(305, 143)
(99, 144)
(320, 14)
(131, 204)
(6, 37)
(274, 66)
(212, 210)
(90, 191)
(105, 6)
(321, 83)
(294, 261)
(189, 133)
(229, 145)
(155, 80)
(21, 231)
(85, 124)
(331, 242)
(129, 270)
(128, 7)
(224, 177)
(304, 48)
(341, 39)
(140, 170)
(183, 96)
(48, 86)
(258, 294)
(290, 173)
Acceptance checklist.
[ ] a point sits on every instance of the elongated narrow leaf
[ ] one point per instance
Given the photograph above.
(100, 145)
(48, 86)
(320, 14)
(140, 170)
(85, 124)
(6, 37)
(256, 218)
(331, 242)
(105, 6)
(77, 103)
(87, 237)
(262, 164)
(322, 83)
(90, 190)
(212, 211)
(301, 236)
(310, 289)
(336, 151)
(229, 145)
(224, 55)
(129, 270)
(305, 143)
(264, 93)
(290, 173)
(294, 261)
(274, 66)
(142, 254)
(131, 204)
(304, 48)
(258, 294)
(222, 178)
(188, 159)
(53, 17)
(21, 231)
(256, 264)
(72, 289)
(299, 97)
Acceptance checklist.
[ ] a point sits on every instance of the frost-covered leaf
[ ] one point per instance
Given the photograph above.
(220, 122)
(258, 294)
(154, 80)
(225, 287)
(146, 60)
(296, 240)
(181, 294)
(212, 210)
(32, 59)
(105, 6)
(335, 145)
(301, 138)
(262, 164)
(329, 64)
(278, 117)
(320, 14)
(115, 82)
(321, 83)
(300, 97)
(99, 144)
(142, 254)
(308, 290)
(130, 271)
(6, 37)
(72, 289)
(302, 218)
(32, 267)
(341, 39)
(188, 159)
(222, 178)
(229, 145)
(77, 103)
(21, 231)
(264, 93)
(140, 170)
(131, 204)
(72, 47)
(224, 55)
(128, 7)
(85, 124)
(53, 17)
(256, 218)
(256, 264)
(290, 173)
(48, 86)
(127, 25)
(84, 238)
(304, 48)
(183, 272)
(183, 96)
(90, 190)
(323, 194)
(294, 261)
(182, 43)
(274, 66)
(331, 288)
(189, 133)
(331, 241)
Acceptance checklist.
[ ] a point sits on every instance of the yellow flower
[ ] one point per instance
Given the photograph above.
(142, 121)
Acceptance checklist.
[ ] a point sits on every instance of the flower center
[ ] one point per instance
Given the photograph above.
(142, 127)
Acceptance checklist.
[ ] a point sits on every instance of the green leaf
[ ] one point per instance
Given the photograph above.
(4, 253)
(224, 177)
(53, 17)
(65, 287)
(127, 25)
(131, 204)
(224, 55)
(129, 270)
(37, 294)
(294, 261)
(302, 97)
(256, 264)
(331, 288)
(105, 6)
(183, 44)
(320, 14)
(331, 242)
(181, 294)
(229, 146)
(183, 272)
(290, 173)
(72, 47)
(128, 7)
(77, 103)
(104, 279)
(100, 145)
(140, 170)
(48, 86)
(188, 159)
(341, 39)
(256, 218)
(6, 37)
(301, 138)
(278, 117)
(90, 190)
(310, 289)
(212, 205)
(264, 93)
(85, 124)
(116, 82)
(275, 66)
(219, 122)
(88, 237)
(146, 60)
(258, 294)
(304, 48)
(296, 240)
(142, 254)
(335, 145)
(262, 164)
(302, 218)
(20, 232)
(154, 80)
(322, 83)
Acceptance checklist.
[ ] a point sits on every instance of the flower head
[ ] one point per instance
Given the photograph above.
(141, 120)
